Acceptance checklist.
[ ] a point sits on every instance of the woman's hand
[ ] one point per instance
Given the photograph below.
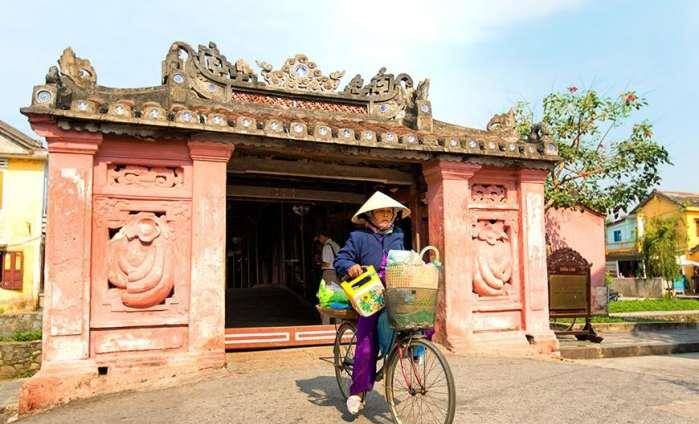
(354, 271)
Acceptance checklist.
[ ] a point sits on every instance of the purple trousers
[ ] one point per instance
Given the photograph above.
(366, 350)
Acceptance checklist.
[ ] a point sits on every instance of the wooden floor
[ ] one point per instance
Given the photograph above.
(268, 306)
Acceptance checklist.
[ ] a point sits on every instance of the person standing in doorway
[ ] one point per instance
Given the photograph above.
(328, 252)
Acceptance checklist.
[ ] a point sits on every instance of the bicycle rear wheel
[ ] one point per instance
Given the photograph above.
(419, 385)
(343, 351)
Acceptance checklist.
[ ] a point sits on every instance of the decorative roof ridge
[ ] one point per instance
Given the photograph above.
(201, 90)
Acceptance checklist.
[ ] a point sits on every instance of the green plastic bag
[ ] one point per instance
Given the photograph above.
(324, 294)
(331, 295)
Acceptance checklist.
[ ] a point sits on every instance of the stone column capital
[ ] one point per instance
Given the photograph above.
(65, 141)
(533, 175)
(438, 170)
(210, 151)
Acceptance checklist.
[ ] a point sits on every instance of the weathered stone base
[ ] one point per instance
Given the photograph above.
(59, 383)
(544, 341)
(506, 342)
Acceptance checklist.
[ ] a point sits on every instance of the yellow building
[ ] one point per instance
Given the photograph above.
(22, 201)
(664, 204)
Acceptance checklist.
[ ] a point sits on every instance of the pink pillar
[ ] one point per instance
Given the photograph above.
(448, 195)
(68, 244)
(207, 304)
(66, 332)
(533, 259)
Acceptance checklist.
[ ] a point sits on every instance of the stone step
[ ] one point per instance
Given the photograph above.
(597, 351)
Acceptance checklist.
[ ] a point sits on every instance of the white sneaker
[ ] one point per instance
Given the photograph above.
(354, 404)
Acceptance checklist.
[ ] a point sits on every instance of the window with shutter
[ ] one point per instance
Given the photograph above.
(12, 271)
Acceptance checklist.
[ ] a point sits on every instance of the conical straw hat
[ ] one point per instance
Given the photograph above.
(379, 200)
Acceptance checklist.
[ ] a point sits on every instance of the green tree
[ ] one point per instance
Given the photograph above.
(608, 162)
(660, 245)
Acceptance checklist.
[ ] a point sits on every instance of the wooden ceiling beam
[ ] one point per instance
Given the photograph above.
(290, 168)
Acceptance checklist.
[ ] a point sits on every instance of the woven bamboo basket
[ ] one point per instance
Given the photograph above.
(414, 276)
(411, 308)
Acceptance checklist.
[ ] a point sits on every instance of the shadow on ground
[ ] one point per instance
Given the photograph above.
(323, 391)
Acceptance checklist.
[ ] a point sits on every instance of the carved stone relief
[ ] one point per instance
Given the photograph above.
(140, 261)
(144, 176)
(489, 193)
(493, 261)
(299, 73)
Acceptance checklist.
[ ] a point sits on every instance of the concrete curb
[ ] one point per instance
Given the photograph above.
(601, 351)
(631, 327)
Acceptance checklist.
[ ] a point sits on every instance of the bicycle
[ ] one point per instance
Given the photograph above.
(412, 390)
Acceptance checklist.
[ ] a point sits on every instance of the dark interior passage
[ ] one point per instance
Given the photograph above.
(273, 265)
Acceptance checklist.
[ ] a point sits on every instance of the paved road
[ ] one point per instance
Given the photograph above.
(294, 386)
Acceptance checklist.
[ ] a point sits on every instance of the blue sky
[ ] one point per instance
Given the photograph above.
(481, 56)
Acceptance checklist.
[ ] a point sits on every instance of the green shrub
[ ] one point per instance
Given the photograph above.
(23, 336)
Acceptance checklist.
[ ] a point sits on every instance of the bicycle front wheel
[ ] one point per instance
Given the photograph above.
(343, 351)
(419, 385)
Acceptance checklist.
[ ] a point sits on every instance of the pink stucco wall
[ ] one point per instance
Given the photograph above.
(583, 231)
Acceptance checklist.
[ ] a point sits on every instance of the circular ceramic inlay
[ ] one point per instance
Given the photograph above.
(551, 149)
(323, 131)
(82, 105)
(424, 108)
(472, 144)
(186, 116)
(178, 78)
(119, 109)
(212, 87)
(368, 135)
(491, 145)
(453, 142)
(383, 108)
(246, 122)
(300, 70)
(154, 114)
(298, 128)
(390, 136)
(346, 133)
(411, 138)
(512, 147)
(274, 125)
(43, 96)
(217, 119)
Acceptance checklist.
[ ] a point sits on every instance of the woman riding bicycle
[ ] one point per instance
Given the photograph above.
(369, 246)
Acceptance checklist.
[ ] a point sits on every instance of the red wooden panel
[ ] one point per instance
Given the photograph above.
(272, 337)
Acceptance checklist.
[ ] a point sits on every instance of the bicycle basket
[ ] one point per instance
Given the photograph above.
(421, 276)
(411, 308)
(346, 314)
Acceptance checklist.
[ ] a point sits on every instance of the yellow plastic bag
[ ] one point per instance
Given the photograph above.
(365, 292)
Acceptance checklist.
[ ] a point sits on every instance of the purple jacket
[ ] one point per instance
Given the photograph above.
(364, 247)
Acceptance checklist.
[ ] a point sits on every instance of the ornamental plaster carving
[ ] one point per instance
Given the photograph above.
(140, 261)
(299, 73)
(144, 176)
(489, 193)
(492, 258)
(79, 70)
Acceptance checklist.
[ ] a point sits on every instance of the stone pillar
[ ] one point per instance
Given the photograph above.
(208, 283)
(68, 243)
(448, 195)
(66, 316)
(532, 207)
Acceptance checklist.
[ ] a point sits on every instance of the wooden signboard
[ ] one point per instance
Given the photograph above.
(569, 291)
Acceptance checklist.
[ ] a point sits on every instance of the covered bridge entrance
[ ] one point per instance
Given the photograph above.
(181, 216)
